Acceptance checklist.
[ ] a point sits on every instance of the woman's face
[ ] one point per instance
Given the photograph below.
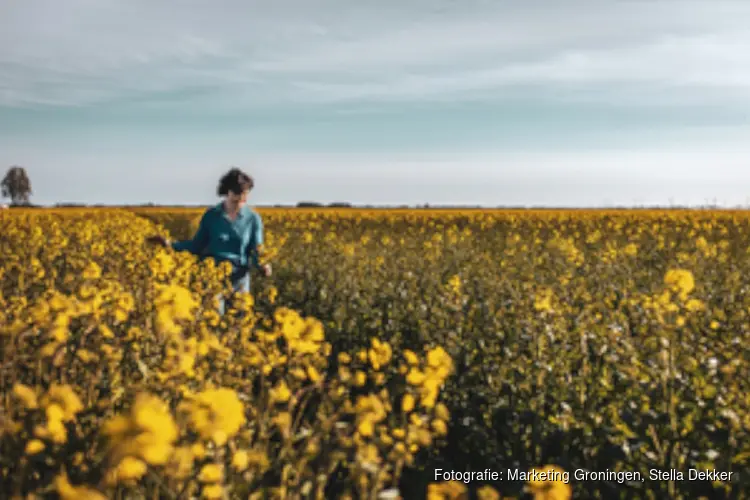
(235, 200)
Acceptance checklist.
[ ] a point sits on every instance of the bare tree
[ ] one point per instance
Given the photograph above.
(16, 185)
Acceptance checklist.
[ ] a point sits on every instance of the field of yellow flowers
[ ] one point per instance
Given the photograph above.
(386, 345)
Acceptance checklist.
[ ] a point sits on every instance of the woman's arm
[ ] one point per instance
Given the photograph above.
(198, 243)
(256, 240)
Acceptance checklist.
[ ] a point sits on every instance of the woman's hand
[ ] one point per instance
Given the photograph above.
(158, 240)
(266, 270)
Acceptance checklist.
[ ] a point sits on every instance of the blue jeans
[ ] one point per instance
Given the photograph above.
(240, 283)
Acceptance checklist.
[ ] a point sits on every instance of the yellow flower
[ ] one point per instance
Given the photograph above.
(407, 403)
(59, 327)
(147, 432)
(273, 292)
(368, 455)
(441, 412)
(630, 249)
(240, 460)
(280, 393)
(693, 305)
(162, 264)
(125, 305)
(69, 492)
(543, 300)
(313, 374)
(257, 459)
(213, 491)
(305, 336)
(198, 450)
(92, 271)
(449, 490)
(106, 332)
(549, 484)
(54, 427)
(86, 356)
(216, 414)
(366, 428)
(439, 367)
(370, 410)
(454, 284)
(415, 377)
(129, 468)
(680, 281)
(411, 357)
(181, 463)
(312, 449)
(34, 446)
(27, 395)
(173, 304)
(440, 427)
(211, 473)
(284, 422)
(439, 362)
(379, 354)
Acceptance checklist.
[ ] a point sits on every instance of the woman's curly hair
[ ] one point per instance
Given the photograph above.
(235, 181)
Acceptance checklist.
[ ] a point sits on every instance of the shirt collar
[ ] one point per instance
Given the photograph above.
(244, 210)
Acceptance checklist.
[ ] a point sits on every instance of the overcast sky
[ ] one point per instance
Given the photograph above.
(444, 101)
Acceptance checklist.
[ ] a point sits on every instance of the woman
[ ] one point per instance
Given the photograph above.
(228, 232)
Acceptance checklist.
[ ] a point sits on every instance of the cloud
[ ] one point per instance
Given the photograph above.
(251, 54)
(123, 94)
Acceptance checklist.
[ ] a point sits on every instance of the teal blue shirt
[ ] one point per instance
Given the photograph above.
(224, 239)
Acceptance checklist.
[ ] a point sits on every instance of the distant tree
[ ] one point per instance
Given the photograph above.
(308, 204)
(16, 186)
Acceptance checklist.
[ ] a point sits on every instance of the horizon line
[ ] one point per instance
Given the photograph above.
(419, 206)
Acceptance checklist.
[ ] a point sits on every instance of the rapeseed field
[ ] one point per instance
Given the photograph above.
(387, 345)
